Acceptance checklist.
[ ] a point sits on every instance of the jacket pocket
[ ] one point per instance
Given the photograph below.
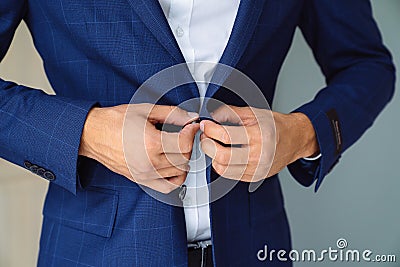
(92, 210)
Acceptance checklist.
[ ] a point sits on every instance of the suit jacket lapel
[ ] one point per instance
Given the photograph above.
(248, 14)
(153, 17)
(151, 14)
(245, 24)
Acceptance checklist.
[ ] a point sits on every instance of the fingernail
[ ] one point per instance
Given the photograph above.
(193, 115)
(202, 126)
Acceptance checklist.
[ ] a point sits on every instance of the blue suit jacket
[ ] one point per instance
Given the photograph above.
(100, 52)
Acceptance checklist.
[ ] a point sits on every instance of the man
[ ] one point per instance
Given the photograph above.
(97, 54)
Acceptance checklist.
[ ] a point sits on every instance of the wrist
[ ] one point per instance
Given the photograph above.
(89, 133)
(308, 144)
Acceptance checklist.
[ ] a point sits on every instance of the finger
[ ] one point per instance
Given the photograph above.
(163, 173)
(224, 155)
(225, 134)
(233, 114)
(244, 173)
(250, 169)
(255, 168)
(181, 142)
(171, 115)
(165, 186)
(234, 172)
(162, 161)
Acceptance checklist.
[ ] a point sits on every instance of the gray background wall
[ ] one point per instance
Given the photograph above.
(358, 201)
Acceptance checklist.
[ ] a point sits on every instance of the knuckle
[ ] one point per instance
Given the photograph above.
(222, 157)
(186, 148)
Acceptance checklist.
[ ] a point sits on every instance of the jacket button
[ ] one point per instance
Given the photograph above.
(182, 192)
(27, 164)
(48, 175)
(33, 168)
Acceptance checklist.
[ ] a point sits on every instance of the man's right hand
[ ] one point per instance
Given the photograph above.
(125, 140)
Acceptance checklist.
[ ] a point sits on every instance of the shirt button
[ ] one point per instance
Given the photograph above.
(179, 31)
(182, 192)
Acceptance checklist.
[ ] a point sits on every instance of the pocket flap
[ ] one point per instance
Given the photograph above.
(91, 210)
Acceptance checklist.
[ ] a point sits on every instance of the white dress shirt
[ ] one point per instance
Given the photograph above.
(202, 29)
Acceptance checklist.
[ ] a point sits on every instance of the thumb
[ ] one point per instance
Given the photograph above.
(187, 135)
(171, 115)
(190, 130)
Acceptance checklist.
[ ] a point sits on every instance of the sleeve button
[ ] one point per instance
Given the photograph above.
(33, 168)
(40, 171)
(49, 176)
(27, 164)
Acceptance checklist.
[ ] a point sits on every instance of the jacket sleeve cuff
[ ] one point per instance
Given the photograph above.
(328, 135)
(60, 162)
(65, 148)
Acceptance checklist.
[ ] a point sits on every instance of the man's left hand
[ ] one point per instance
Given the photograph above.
(260, 146)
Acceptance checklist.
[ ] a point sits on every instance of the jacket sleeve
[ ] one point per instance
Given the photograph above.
(360, 78)
(39, 132)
